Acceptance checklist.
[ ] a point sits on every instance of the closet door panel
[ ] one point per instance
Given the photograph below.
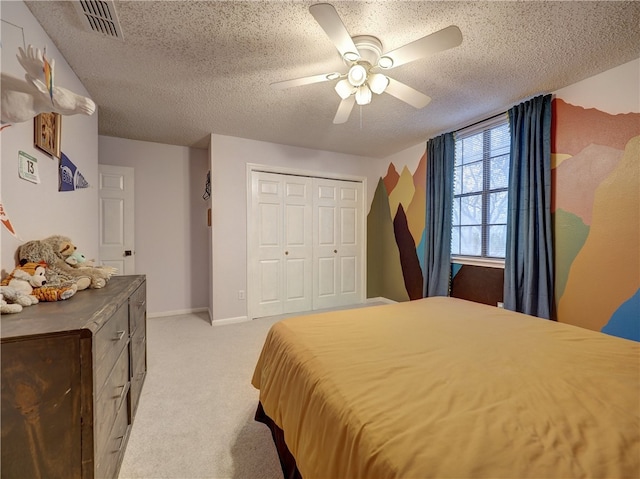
(265, 238)
(338, 232)
(305, 238)
(298, 246)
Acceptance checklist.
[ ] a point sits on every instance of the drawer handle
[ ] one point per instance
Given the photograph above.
(121, 443)
(120, 335)
(124, 390)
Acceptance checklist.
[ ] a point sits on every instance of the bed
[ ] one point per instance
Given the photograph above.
(443, 387)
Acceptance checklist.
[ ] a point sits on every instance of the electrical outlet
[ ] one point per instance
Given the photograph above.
(241, 295)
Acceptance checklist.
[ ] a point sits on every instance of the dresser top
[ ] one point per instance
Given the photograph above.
(86, 310)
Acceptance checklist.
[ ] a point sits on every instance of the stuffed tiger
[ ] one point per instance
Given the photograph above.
(30, 279)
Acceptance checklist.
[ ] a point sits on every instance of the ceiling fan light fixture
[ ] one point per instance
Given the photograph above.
(378, 83)
(357, 75)
(351, 56)
(363, 95)
(385, 62)
(345, 89)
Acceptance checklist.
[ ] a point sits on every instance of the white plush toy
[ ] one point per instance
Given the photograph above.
(12, 300)
(6, 308)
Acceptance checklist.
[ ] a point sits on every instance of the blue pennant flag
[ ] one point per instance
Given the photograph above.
(67, 174)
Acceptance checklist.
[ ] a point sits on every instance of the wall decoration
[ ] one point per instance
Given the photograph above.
(28, 167)
(395, 237)
(47, 131)
(207, 187)
(80, 181)
(70, 178)
(411, 270)
(67, 173)
(6, 222)
(477, 283)
(384, 272)
(597, 220)
(25, 98)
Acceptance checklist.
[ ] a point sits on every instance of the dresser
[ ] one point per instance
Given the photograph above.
(72, 373)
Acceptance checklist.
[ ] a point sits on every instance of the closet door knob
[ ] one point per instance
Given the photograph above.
(286, 252)
(335, 250)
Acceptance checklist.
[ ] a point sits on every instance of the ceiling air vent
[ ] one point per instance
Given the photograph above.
(99, 16)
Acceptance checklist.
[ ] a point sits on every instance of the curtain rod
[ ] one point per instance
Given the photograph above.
(481, 121)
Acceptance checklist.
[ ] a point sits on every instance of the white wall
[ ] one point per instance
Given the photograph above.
(171, 233)
(618, 90)
(39, 210)
(229, 157)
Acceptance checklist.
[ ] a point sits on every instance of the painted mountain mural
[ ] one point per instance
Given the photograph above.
(597, 218)
(395, 226)
(384, 270)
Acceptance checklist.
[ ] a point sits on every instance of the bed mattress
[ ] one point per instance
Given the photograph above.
(442, 387)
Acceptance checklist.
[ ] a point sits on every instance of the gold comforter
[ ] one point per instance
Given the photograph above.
(441, 387)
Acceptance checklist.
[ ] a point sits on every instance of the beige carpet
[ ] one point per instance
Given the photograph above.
(195, 417)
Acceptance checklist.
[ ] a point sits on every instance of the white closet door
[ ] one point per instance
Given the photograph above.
(338, 243)
(298, 244)
(279, 237)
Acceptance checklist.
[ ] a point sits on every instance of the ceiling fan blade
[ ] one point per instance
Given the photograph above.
(344, 110)
(281, 85)
(423, 47)
(328, 18)
(407, 94)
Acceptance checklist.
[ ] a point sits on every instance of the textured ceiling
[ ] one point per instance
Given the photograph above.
(186, 69)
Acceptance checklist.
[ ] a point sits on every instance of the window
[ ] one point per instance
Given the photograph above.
(481, 181)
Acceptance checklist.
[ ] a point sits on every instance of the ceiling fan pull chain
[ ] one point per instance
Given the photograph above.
(360, 117)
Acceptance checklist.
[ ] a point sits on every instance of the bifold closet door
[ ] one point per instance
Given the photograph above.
(280, 240)
(338, 243)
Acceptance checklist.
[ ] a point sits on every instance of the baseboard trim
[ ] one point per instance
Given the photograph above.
(238, 319)
(221, 322)
(164, 314)
(380, 299)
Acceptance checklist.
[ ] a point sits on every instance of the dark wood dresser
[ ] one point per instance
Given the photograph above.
(72, 372)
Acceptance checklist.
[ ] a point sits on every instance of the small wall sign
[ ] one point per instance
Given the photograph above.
(47, 131)
(28, 167)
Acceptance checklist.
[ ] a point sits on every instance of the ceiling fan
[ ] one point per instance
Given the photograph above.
(364, 56)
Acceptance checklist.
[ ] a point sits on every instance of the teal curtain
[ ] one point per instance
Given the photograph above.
(440, 160)
(528, 272)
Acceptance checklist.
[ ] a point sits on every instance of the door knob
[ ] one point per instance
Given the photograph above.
(286, 252)
(335, 250)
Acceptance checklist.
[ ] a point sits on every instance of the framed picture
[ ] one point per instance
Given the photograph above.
(47, 131)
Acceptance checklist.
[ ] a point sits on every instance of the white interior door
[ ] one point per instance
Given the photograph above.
(279, 240)
(298, 244)
(338, 250)
(117, 218)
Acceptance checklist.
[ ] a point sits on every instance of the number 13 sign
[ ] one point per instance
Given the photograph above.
(28, 167)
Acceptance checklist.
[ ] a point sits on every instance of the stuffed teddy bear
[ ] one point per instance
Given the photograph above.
(58, 273)
(63, 247)
(29, 278)
(12, 295)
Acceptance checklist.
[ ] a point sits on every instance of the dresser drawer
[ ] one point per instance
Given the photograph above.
(111, 399)
(111, 454)
(137, 308)
(110, 340)
(138, 366)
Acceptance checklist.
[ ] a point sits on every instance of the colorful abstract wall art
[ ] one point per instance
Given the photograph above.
(596, 207)
(395, 234)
